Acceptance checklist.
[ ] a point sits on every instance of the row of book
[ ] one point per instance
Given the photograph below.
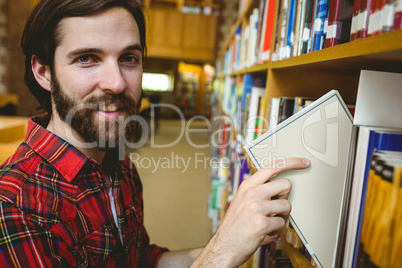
(276, 255)
(293, 239)
(304, 26)
(376, 219)
(243, 100)
(363, 228)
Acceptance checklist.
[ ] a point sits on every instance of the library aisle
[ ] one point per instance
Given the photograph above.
(176, 183)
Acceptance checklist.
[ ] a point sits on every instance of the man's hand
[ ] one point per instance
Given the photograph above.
(257, 213)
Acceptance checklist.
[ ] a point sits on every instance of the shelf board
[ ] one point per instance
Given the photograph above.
(298, 260)
(381, 52)
(387, 46)
(255, 69)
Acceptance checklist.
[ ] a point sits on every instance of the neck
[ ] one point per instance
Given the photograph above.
(64, 131)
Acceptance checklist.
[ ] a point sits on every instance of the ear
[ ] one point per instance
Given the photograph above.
(42, 73)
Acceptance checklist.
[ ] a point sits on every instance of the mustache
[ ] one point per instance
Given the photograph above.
(121, 100)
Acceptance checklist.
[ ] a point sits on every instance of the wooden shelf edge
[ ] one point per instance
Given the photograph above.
(295, 257)
(386, 42)
(374, 44)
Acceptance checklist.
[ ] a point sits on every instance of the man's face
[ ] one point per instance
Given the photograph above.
(97, 75)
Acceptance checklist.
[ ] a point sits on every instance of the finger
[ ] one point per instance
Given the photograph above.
(281, 165)
(275, 225)
(278, 207)
(278, 189)
(269, 239)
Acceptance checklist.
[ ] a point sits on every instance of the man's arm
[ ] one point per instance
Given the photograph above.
(255, 217)
(178, 259)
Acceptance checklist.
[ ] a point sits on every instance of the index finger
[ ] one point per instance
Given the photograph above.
(278, 166)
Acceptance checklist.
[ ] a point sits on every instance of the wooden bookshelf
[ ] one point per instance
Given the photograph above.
(316, 73)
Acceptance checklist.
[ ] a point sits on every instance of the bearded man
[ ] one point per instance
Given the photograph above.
(67, 197)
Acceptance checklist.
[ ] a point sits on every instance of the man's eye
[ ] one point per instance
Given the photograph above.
(84, 59)
(130, 59)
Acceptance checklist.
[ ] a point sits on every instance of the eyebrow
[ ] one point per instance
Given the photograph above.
(80, 51)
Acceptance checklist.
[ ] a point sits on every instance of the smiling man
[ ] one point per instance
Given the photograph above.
(67, 198)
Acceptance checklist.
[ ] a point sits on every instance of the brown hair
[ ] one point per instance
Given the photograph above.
(41, 36)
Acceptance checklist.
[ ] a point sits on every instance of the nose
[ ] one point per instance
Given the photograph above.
(112, 79)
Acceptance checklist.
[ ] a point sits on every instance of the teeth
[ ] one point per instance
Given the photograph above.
(109, 108)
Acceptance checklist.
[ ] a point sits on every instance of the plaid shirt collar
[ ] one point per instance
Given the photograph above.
(67, 159)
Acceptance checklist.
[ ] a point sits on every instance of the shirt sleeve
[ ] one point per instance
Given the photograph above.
(151, 253)
(26, 243)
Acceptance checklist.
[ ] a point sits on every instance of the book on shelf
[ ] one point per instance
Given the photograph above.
(236, 65)
(397, 15)
(260, 126)
(342, 231)
(322, 133)
(375, 20)
(279, 29)
(364, 15)
(273, 113)
(283, 30)
(300, 19)
(260, 34)
(355, 20)
(313, 16)
(297, 28)
(286, 106)
(388, 16)
(319, 23)
(267, 30)
(379, 146)
(301, 102)
(290, 32)
(251, 55)
(256, 97)
(307, 26)
(326, 24)
(249, 81)
(339, 22)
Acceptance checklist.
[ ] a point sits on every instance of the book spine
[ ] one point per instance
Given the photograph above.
(284, 26)
(398, 15)
(324, 39)
(286, 106)
(269, 27)
(365, 10)
(319, 24)
(260, 27)
(301, 27)
(388, 16)
(313, 17)
(275, 50)
(375, 20)
(297, 30)
(355, 18)
(307, 25)
(290, 29)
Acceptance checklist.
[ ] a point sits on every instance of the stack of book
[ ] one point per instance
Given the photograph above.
(280, 29)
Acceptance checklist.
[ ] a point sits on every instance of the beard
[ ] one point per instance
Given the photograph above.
(103, 133)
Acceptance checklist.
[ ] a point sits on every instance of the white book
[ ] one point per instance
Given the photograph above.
(320, 132)
(256, 94)
(273, 113)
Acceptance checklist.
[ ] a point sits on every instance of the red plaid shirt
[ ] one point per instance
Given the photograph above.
(55, 209)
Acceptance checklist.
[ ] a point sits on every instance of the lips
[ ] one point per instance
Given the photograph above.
(110, 108)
